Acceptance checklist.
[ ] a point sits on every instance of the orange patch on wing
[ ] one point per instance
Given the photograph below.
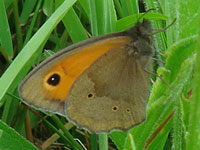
(72, 66)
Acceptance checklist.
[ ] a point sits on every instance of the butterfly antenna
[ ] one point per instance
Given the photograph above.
(161, 78)
(164, 29)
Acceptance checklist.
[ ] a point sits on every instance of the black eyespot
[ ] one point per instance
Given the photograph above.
(54, 79)
(90, 95)
(115, 108)
(128, 110)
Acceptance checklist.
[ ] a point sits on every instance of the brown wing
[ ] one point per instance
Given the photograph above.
(47, 86)
(111, 94)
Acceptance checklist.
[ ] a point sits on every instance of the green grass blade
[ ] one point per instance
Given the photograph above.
(10, 139)
(118, 138)
(67, 142)
(107, 20)
(9, 110)
(192, 141)
(17, 26)
(187, 14)
(84, 4)
(26, 11)
(5, 35)
(100, 6)
(7, 3)
(103, 141)
(132, 7)
(102, 16)
(94, 141)
(48, 7)
(129, 144)
(74, 27)
(124, 7)
(93, 17)
(111, 17)
(66, 132)
(30, 29)
(119, 8)
(178, 126)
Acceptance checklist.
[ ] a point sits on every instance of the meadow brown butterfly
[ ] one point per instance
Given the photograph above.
(99, 84)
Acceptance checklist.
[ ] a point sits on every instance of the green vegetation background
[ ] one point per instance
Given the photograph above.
(29, 26)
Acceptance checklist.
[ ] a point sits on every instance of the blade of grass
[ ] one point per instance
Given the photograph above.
(178, 126)
(100, 17)
(48, 7)
(7, 117)
(118, 138)
(124, 7)
(158, 138)
(7, 3)
(5, 35)
(119, 8)
(132, 7)
(187, 13)
(110, 17)
(66, 132)
(26, 11)
(29, 134)
(10, 139)
(93, 17)
(33, 21)
(74, 27)
(192, 141)
(103, 141)
(93, 141)
(55, 137)
(132, 143)
(9, 110)
(66, 140)
(17, 26)
(129, 144)
(84, 4)
(19, 125)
